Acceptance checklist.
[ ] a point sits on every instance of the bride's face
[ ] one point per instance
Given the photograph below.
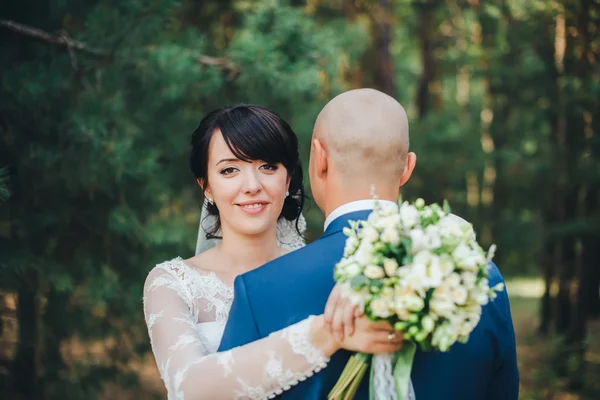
(249, 195)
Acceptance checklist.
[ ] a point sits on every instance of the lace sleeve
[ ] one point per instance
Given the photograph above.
(258, 370)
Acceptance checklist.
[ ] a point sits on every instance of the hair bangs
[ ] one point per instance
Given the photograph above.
(254, 135)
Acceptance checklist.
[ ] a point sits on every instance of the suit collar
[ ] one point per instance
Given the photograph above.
(359, 205)
(338, 224)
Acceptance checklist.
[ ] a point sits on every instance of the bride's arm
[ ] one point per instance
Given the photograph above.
(257, 370)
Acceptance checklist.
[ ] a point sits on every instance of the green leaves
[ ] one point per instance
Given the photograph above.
(358, 282)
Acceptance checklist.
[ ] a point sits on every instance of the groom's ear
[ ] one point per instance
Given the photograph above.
(320, 154)
(411, 161)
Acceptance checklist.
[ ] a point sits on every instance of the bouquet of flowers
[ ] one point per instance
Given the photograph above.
(420, 268)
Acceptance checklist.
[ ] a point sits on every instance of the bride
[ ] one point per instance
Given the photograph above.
(245, 158)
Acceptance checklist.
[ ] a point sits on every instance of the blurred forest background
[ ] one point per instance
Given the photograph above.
(98, 100)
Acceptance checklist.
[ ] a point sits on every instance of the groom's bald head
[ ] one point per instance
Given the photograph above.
(365, 132)
(364, 138)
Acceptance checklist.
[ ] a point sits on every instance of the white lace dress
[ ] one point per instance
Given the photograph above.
(186, 312)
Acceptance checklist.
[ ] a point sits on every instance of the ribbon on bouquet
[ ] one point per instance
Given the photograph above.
(389, 378)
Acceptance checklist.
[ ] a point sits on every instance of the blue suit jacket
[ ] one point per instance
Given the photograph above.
(290, 288)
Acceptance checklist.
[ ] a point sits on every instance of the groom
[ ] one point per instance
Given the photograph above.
(360, 140)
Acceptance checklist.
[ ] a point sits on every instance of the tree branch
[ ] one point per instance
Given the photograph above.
(62, 40)
(57, 40)
(222, 63)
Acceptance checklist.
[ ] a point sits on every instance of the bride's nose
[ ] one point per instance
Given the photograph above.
(251, 183)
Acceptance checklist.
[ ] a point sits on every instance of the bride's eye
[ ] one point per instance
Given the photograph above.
(228, 171)
(269, 167)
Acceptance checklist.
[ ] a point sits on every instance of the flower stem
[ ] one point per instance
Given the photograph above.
(349, 381)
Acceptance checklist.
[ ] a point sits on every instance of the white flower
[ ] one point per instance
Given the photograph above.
(420, 203)
(466, 329)
(484, 284)
(444, 337)
(402, 312)
(424, 240)
(412, 280)
(453, 280)
(468, 279)
(480, 296)
(380, 308)
(442, 306)
(418, 240)
(374, 272)
(467, 258)
(427, 213)
(409, 216)
(459, 295)
(450, 226)
(390, 265)
(351, 245)
(370, 234)
(468, 232)
(428, 323)
(473, 261)
(387, 293)
(446, 264)
(407, 300)
(498, 287)
(461, 252)
(391, 236)
(435, 274)
(389, 222)
(422, 258)
(427, 267)
(491, 252)
(352, 269)
(356, 297)
(363, 253)
(433, 236)
(441, 302)
(415, 303)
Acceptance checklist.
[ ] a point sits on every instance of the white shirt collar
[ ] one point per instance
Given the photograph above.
(353, 206)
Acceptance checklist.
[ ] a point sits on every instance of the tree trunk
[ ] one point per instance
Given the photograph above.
(54, 334)
(427, 98)
(25, 364)
(382, 33)
(547, 263)
(592, 258)
(564, 298)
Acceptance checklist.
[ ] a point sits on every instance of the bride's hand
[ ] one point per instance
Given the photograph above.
(340, 314)
(356, 332)
(372, 337)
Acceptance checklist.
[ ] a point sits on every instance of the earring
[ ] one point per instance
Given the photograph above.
(210, 200)
(287, 193)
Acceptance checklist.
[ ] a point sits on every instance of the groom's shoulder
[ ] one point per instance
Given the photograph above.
(312, 260)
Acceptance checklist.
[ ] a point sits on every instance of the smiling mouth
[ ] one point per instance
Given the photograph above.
(253, 206)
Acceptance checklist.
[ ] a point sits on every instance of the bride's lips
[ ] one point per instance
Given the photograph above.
(253, 207)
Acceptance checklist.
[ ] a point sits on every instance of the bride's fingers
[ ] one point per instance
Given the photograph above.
(389, 337)
(386, 342)
(378, 348)
(331, 305)
(348, 319)
(337, 322)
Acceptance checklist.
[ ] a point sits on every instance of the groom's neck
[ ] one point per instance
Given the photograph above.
(336, 195)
